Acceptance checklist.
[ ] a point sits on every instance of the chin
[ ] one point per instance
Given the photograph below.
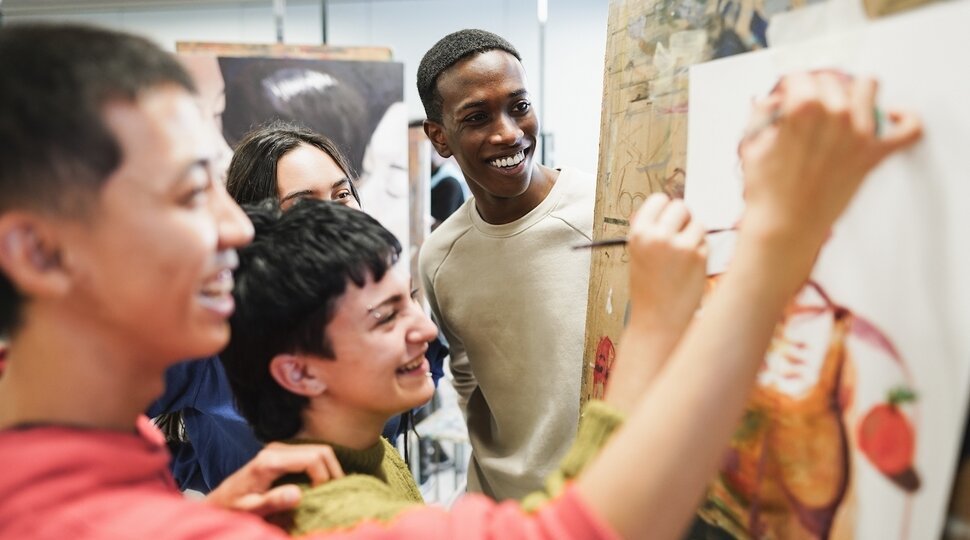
(211, 343)
(423, 396)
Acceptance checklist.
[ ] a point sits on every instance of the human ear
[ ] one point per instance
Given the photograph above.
(295, 374)
(436, 134)
(30, 255)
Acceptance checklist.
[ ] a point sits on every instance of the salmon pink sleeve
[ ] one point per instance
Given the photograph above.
(476, 517)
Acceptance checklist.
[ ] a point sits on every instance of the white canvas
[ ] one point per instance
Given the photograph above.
(897, 262)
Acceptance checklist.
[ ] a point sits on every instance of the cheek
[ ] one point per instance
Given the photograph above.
(530, 125)
(183, 252)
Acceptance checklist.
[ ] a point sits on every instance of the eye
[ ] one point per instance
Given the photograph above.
(343, 196)
(197, 193)
(292, 201)
(522, 107)
(475, 118)
(385, 316)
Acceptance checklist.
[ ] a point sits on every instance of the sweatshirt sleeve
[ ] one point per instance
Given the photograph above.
(464, 380)
(375, 511)
(476, 517)
(596, 425)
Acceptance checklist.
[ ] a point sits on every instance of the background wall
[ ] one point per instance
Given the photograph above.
(575, 41)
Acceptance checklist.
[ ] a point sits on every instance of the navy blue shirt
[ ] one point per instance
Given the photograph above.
(220, 439)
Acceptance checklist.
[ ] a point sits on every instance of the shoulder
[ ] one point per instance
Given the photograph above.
(346, 502)
(579, 185)
(575, 207)
(440, 242)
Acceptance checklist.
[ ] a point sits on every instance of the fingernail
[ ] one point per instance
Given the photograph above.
(291, 495)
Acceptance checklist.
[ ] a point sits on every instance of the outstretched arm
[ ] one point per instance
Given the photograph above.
(800, 174)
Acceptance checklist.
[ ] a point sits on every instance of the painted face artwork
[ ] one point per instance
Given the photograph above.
(797, 353)
(308, 172)
(489, 123)
(379, 335)
(154, 261)
(790, 470)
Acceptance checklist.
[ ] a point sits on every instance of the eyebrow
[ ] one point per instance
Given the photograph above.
(480, 102)
(183, 173)
(303, 192)
(296, 194)
(396, 299)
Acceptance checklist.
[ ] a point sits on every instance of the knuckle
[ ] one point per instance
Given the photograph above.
(842, 117)
(806, 109)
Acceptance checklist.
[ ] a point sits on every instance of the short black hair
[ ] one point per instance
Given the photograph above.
(56, 152)
(287, 286)
(252, 171)
(447, 52)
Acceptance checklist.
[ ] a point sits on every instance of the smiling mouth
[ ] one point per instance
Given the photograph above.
(216, 293)
(510, 161)
(411, 367)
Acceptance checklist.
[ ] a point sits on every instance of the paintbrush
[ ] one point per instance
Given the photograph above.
(621, 241)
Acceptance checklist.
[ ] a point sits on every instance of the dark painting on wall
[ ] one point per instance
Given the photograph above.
(357, 104)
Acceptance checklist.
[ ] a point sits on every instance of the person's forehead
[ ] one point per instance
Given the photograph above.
(495, 67)
(162, 128)
(307, 165)
(356, 301)
(305, 154)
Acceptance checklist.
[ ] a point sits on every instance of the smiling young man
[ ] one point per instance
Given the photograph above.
(117, 248)
(508, 294)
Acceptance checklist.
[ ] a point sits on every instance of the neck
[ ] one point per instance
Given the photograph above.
(63, 374)
(324, 420)
(501, 210)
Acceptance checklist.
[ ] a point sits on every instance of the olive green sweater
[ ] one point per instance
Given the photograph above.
(378, 485)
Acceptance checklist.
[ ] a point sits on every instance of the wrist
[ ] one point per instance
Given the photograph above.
(640, 356)
(782, 260)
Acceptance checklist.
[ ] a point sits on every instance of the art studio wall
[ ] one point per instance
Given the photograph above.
(575, 42)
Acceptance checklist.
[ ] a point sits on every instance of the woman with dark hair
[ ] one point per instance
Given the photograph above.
(289, 162)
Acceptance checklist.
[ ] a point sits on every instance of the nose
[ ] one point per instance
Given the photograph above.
(235, 229)
(424, 329)
(507, 132)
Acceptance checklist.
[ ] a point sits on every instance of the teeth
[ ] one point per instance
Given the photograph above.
(509, 161)
(412, 366)
(219, 285)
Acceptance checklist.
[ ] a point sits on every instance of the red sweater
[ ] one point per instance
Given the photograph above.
(60, 482)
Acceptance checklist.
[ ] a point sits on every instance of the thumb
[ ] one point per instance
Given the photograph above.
(278, 499)
(906, 130)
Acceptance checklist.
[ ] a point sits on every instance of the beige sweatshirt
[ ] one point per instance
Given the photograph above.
(511, 301)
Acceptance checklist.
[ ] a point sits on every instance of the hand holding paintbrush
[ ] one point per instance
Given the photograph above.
(622, 240)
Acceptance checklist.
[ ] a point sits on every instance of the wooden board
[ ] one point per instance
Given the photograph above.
(279, 50)
(643, 134)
